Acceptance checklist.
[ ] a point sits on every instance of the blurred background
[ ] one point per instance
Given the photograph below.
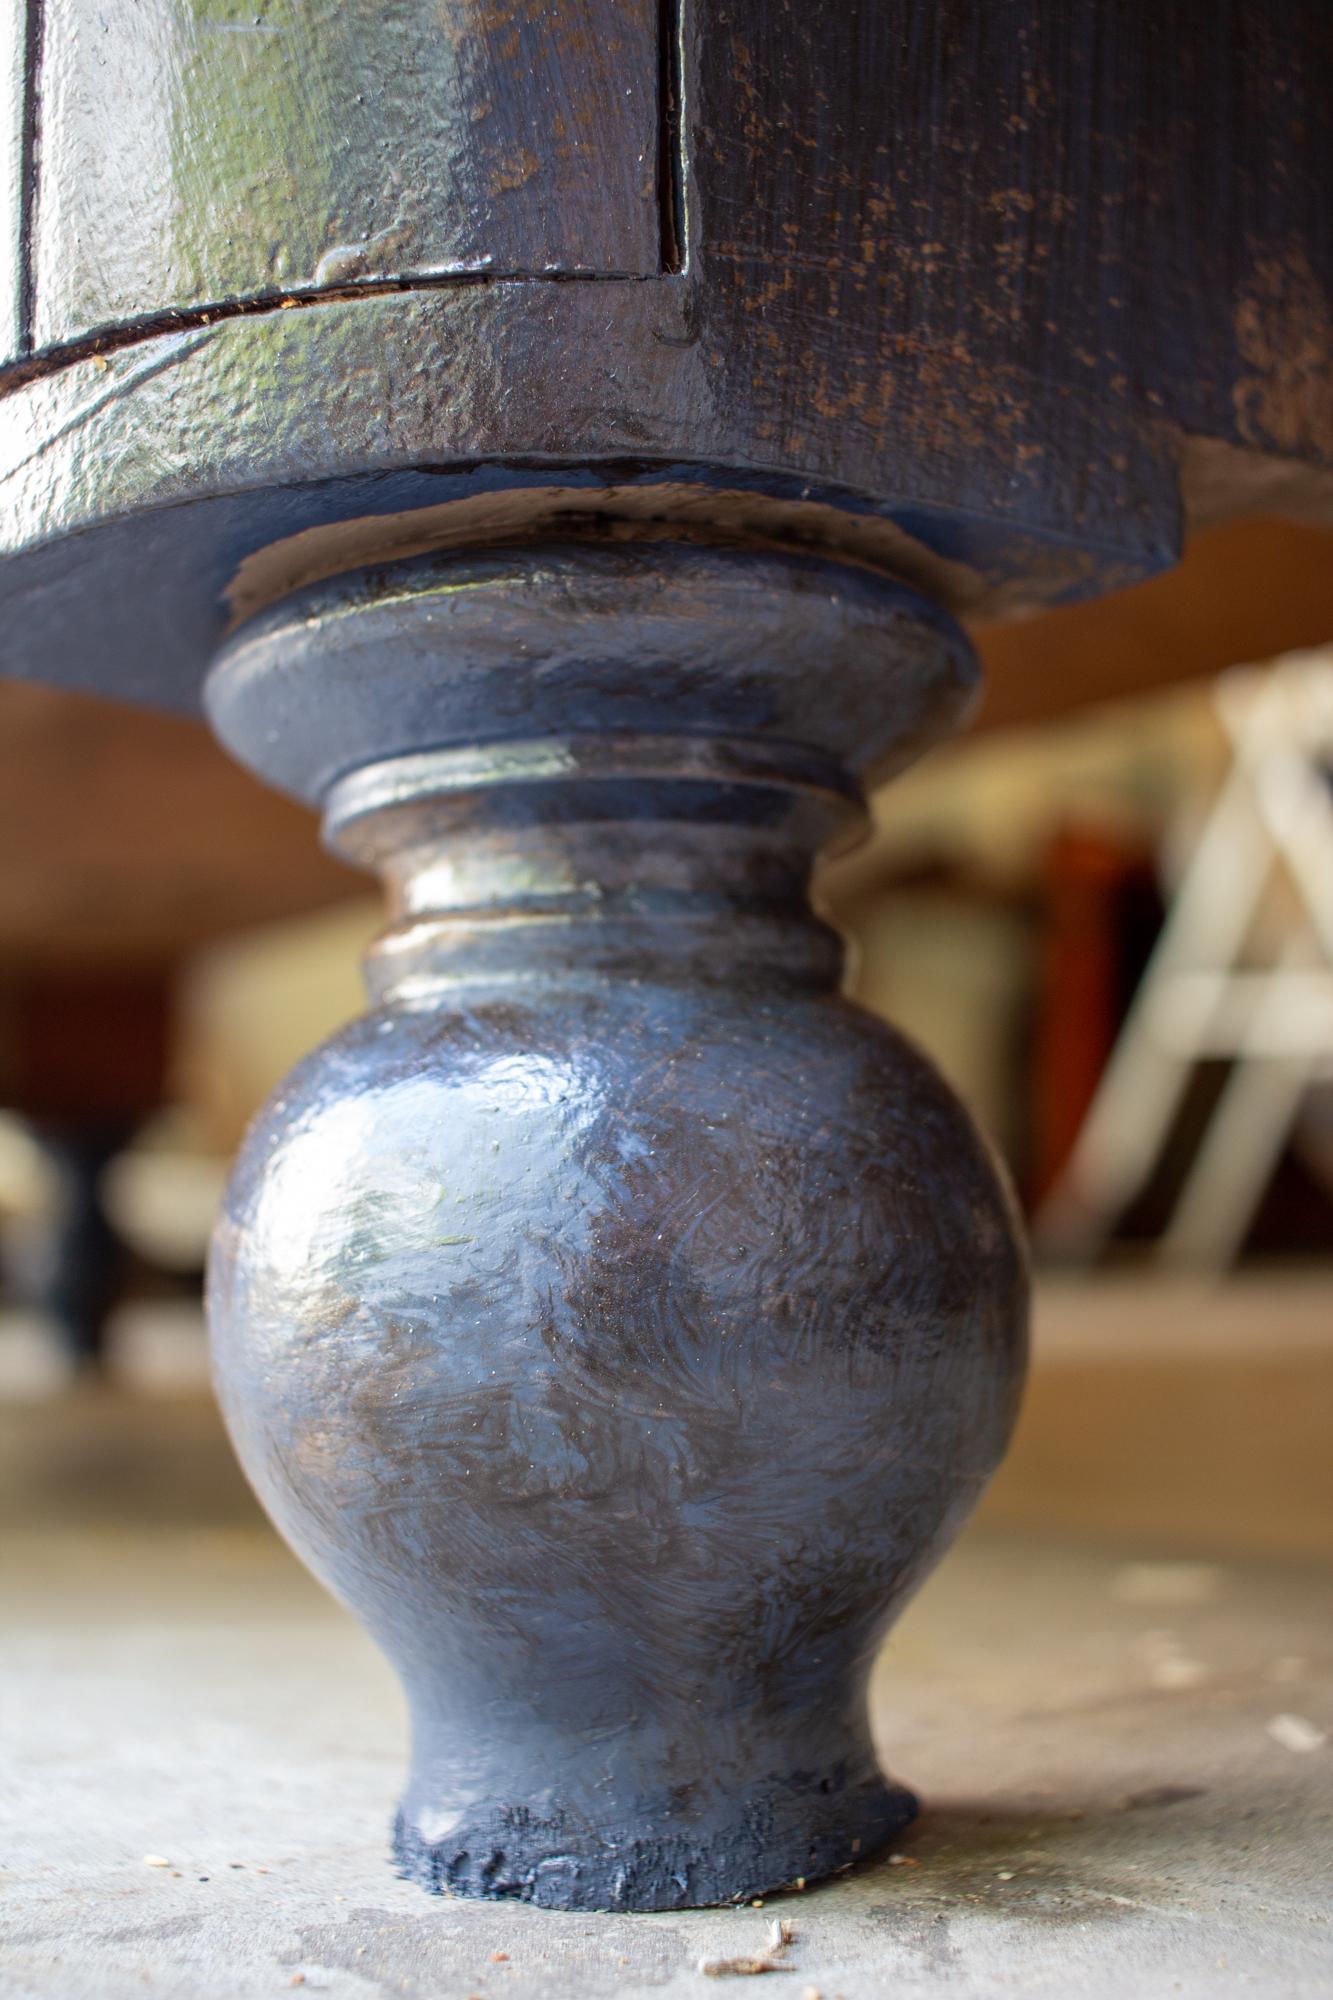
(1106, 912)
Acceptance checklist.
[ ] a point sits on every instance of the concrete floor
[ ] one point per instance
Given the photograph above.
(1129, 1787)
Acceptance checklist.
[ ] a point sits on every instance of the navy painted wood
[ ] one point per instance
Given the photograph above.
(617, 1319)
(972, 270)
(960, 217)
(197, 153)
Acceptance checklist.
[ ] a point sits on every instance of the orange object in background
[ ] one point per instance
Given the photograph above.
(1097, 900)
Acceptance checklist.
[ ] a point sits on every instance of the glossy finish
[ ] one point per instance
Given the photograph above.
(588, 639)
(969, 274)
(616, 1318)
(302, 145)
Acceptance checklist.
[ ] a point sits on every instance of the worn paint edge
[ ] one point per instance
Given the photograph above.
(187, 319)
(675, 510)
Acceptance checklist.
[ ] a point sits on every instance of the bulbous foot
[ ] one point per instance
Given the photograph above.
(784, 1834)
(623, 1357)
(616, 1318)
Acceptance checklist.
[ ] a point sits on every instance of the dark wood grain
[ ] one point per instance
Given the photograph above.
(966, 219)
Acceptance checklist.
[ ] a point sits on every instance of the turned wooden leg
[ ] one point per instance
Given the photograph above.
(615, 1317)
